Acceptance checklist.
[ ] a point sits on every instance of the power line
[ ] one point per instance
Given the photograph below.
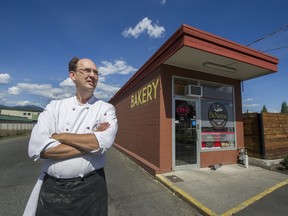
(269, 35)
(275, 49)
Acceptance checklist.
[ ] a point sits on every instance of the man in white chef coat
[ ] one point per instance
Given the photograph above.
(72, 135)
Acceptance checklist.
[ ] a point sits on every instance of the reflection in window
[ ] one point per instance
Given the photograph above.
(217, 117)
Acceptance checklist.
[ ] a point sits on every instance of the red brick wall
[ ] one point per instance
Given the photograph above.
(139, 129)
(166, 121)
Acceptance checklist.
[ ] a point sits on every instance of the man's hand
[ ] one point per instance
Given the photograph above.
(74, 144)
(55, 136)
(60, 152)
(102, 126)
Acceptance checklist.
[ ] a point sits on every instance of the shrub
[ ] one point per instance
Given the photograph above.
(284, 162)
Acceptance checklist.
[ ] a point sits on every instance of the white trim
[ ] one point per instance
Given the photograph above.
(198, 121)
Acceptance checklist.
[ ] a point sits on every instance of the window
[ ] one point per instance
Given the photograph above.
(217, 116)
(179, 85)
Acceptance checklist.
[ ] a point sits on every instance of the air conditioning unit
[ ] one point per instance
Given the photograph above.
(193, 91)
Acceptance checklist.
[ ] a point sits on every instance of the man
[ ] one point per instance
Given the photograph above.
(72, 135)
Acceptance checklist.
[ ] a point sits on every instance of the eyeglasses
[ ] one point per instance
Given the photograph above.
(87, 71)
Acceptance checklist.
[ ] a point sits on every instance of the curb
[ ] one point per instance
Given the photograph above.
(262, 162)
(185, 196)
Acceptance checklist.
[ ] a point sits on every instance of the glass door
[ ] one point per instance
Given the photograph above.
(186, 129)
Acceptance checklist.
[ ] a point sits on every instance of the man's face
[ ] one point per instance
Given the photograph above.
(86, 75)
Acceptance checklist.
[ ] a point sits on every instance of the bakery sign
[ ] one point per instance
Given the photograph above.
(145, 94)
(217, 115)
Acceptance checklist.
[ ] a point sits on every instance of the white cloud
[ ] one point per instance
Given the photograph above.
(118, 67)
(28, 87)
(101, 79)
(2, 98)
(44, 90)
(26, 80)
(273, 110)
(248, 99)
(145, 25)
(20, 102)
(108, 89)
(67, 83)
(5, 78)
(24, 103)
(250, 105)
(67, 87)
(14, 90)
(162, 2)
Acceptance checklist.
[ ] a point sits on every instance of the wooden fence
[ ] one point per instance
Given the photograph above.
(266, 135)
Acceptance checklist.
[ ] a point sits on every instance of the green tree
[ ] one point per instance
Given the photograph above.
(284, 107)
(264, 109)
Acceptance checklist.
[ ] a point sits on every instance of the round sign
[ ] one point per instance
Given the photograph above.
(217, 115)
(183, 110)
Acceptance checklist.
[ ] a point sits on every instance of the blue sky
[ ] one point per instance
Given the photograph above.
(38, 39)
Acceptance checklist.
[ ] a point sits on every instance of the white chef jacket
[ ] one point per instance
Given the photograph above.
(69, 116)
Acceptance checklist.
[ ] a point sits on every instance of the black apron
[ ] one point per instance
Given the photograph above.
(85, 196)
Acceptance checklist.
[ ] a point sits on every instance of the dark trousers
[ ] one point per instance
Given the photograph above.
(85, 196)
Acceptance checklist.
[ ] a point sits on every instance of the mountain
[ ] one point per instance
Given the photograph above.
(26, 108)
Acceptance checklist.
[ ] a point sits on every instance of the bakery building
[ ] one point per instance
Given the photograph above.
(183, 107)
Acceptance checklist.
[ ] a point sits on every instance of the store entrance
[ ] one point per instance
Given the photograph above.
(186, 129)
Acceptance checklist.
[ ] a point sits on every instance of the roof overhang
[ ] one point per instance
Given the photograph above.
(201, 51)
(198, 50)
(207, 62)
